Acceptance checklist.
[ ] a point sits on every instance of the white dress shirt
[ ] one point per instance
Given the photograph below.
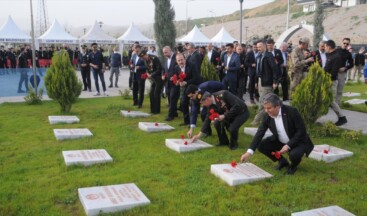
(323, 58)
(210, 52)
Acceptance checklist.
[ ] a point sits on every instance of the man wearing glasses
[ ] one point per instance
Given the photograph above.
(98, 68)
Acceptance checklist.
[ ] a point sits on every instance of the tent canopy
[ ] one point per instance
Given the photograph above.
(57, 35)
(10, 33)
(222, 37)
(97, 35)
(195, 36)
(132, 34)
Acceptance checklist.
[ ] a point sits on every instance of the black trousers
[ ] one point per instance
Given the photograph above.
(267, 146)
(251, 86)
(174, 95)
(86, 78)
(138, 91)
(241, 90)
(232, 128)
(155, 96)
(184, 105)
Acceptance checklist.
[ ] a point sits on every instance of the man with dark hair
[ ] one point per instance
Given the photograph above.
(250, 63)
(228, 112)
(23, 70)
(193, 58)
(231, 65)
(333, 64)
(97, 63)
(359, 62)
(278, 57)
(85, 68)
(172, 90)
(138, 67)
(289, 135)
(242, 73)
(116, 64)
(213, 55)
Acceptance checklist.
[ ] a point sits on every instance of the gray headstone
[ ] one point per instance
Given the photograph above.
(86, 157)
(154, 127)
(109, 199)
(329, 153)
(62, 134)
(133, 114)
(241, 174)
(63, 119)
(185, 145)
(351, 94)
(326, 211)
(355, 101)
(252, 131)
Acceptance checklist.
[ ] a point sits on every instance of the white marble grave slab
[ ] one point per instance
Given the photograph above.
(329, 153)
(252, 131)
(326, 211)
(241, 174)
(185, 145)
(154, 126)
(62, 134)
(351, 94)
(113, 198)
(355, 101)
(86, 157)
(63, 119)
(128, 113)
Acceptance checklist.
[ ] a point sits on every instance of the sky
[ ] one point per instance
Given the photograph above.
(115, 12)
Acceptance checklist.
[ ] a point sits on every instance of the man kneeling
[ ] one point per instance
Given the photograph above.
(289, 135)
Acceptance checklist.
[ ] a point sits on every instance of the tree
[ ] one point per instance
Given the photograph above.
(318, 20)
(61, 81)
(164, 28)
(313, 95)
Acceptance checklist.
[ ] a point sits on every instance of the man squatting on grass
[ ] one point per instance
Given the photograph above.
(289, 135)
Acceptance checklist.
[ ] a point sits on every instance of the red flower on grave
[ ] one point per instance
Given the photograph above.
(144, 76)
(182, 136)
(277, 155)
(182, 76)
(174, 79)
(326, 151)
(234, 164)
(156, 124)
(185, 143)
(213, 115)
(128, 110)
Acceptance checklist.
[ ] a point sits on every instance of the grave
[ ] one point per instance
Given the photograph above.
(252, 131)
(240, 174)
(185, 145)
(329, 153)
(62, 134)
(326, 211)
(133, 114)
(113, 198)
(86, 157)
(154, 126)
(63, 119)
(355, 101)
(351, 94)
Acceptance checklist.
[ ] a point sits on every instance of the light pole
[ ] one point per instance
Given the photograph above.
(287, 25)
(187, 12)
(246, 34)
(241, 1)
(33, 52)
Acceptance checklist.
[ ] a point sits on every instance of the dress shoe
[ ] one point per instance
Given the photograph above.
(139, 107)
(341, 121)
(176, 114)
(233, 147)
(291, 170)
(169, 119)
(84, 89)
(110, 86)
(135, 104)
(183, 124)
(116, 86)
(282, 163)
(221, 144)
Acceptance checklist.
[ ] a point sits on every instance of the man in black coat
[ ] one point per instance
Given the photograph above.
(289, 135)
(250, 64)
(278, 57)
(85, 68)
(172, 90)
(193, 58)
(232, 114)
(242, 73)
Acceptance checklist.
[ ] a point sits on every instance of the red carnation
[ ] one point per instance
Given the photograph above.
(182, 136)
(313, 53)
(277, 155)
(182, 76)
(213, 115)
(144, 76)
(326, 151)
(185, 143)
(234, 164)
(217, 59)
(156, 124)
(174, 79)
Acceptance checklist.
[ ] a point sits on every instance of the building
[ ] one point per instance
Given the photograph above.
(310, 5)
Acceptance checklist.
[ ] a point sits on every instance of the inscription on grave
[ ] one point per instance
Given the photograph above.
(86, 157)
(63, 119)
(329, 153)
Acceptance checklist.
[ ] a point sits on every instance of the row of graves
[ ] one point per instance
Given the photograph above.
(116, 198)
(354, 101)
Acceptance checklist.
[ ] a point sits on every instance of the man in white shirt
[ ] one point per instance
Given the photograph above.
(289, 135)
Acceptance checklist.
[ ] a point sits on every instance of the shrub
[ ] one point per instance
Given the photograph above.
(208, 71)
(352, 136)
(32, 98)
(125, 94)
(61, 81)
(329, 129)
(313, 95)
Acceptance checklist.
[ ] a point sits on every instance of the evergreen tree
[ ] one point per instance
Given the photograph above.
(313, 95)
(318, 20)
(61, 81)
(208, 71)
(164, 28)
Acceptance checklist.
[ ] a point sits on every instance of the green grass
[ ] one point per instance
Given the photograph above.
(35, 181)
(358, 87)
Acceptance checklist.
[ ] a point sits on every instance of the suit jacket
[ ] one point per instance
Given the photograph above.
(293, 125)
(142, 69)
(316, 54)
(192, 74)
(243, 71)
(171, 70)
(234, 65)
(269, 70)
(278, 57)
(195, 60)
(249, 60)
(215, 58)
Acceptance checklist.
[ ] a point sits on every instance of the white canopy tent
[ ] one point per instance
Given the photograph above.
(195, 36)
(10, 33)
(222, 37)
(97, 35)
(57, 35)
(132, 34)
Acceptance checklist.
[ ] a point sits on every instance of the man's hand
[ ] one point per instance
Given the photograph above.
(196, 137)
(245, 157)
(343, 69)
(220, 118)
(275, 85)
(189, 133)
(253, 65)
(285, 149)
(163, 77)
(137, 67)
(183, 83)
(311, 59)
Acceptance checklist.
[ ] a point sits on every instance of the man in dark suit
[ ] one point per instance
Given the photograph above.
(192, 76)
(194, 58)
(289, 135)
(283, 80)
(213, 55)
(169, 64)
(231, 66)
(138, 68)
(232, 113)
(278, 57)
(242, 73)
(250, 64)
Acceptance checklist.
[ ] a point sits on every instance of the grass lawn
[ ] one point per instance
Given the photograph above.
(34, 179)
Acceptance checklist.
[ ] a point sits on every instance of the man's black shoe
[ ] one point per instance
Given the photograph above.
(110, 86)
(291, 170)
(282, 163)
(84, 89)
(139, 106)
(169, 119)
(233, 147)
(221, 144)
(183, 124)
(135, 104)
(176, 114)
(341, 121)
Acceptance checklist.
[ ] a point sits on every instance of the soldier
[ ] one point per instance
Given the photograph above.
(228, 112)
(154, 73)
(297, 70)
(85, 68)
